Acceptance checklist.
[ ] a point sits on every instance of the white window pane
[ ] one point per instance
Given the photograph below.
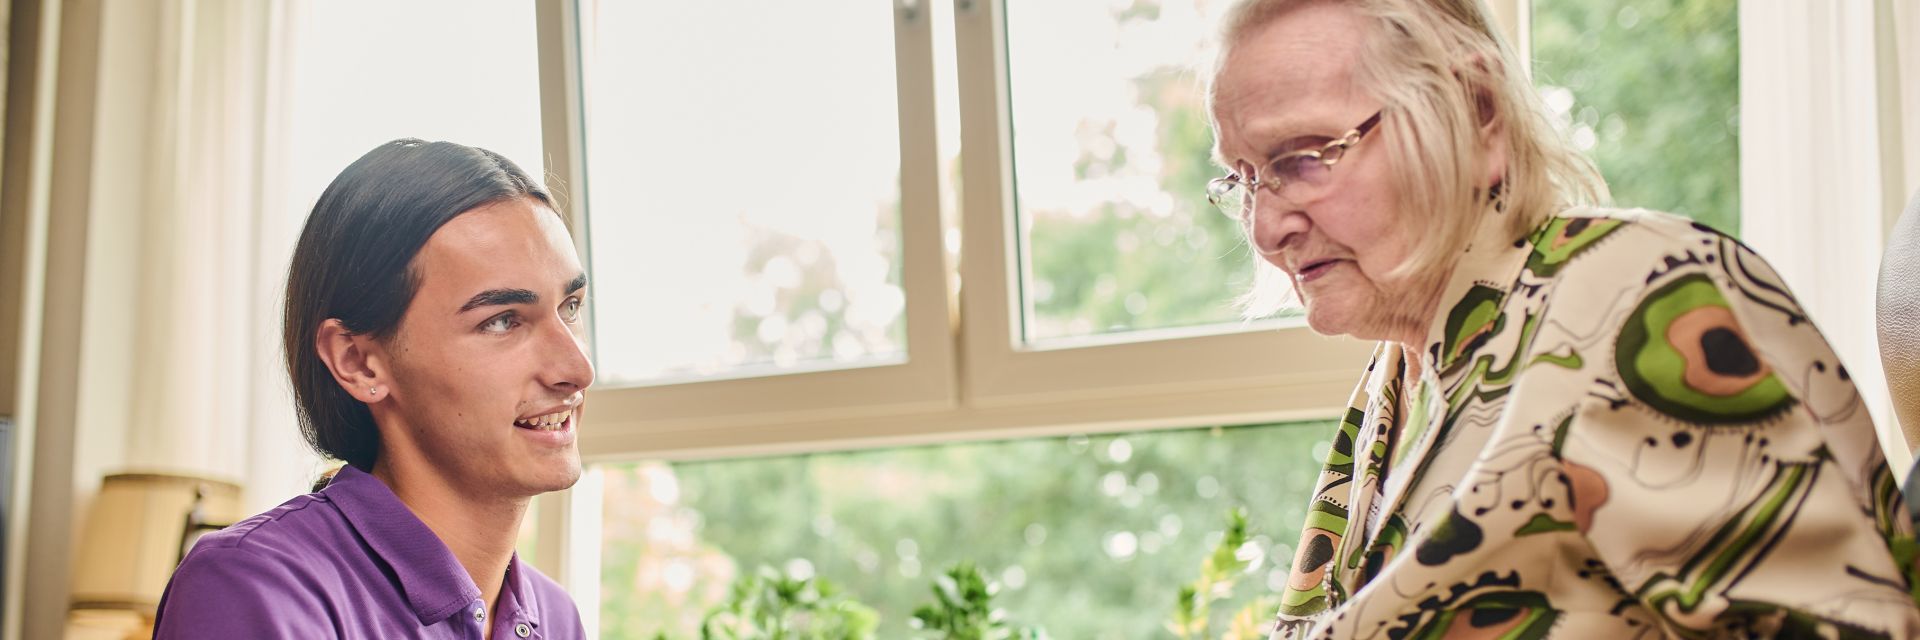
(743, 160)
(364, 72)
(1111, 158)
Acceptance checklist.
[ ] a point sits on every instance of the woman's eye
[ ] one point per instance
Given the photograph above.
(499, 324)
(1300, 168)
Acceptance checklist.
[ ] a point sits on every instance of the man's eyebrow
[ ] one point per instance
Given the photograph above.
(499, 297)
(505, 297)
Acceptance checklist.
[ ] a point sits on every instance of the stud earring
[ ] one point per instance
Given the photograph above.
(373, 391)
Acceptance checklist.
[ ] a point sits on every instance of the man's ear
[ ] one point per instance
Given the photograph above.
(357, 362)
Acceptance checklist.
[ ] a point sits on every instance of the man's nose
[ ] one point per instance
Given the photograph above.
(569, 366)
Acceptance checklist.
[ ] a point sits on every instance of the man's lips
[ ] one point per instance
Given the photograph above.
(555, 421)
(551, 435)
(567, 405)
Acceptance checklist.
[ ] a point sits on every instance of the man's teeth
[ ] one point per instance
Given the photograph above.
(549, 422)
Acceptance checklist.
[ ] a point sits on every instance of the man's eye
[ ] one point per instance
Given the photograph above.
(570, 310)
(499, 324)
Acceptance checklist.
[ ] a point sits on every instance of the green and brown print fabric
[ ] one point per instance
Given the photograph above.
(1626, 428)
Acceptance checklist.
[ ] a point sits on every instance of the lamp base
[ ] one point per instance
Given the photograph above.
(106, 624)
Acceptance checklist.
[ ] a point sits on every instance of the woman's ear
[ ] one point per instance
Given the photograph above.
(357, 362)
(1480, 78)
(1493, 143)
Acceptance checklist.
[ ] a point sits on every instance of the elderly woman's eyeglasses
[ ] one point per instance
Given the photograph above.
(1287, 173)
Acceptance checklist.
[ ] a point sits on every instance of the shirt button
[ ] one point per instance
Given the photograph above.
(479, 615)
(522, 630)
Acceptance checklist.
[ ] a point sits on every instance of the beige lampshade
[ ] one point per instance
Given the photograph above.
(134, 534)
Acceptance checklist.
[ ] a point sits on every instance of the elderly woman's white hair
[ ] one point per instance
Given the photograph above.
(1441, 70)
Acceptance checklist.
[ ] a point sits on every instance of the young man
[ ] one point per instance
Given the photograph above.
(433, 338)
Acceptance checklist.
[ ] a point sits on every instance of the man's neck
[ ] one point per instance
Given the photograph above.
(480, 530)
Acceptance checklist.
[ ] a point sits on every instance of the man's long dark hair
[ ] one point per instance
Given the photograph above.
(353, 262)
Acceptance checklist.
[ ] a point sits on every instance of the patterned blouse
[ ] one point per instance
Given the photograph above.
(1628, 428)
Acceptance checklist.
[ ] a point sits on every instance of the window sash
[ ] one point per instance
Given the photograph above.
(695, 416)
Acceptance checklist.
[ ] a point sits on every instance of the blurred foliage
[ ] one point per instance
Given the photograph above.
(1091, 537)
(963, 609)
(772, 606)
(1234, 557)
(1655, 88)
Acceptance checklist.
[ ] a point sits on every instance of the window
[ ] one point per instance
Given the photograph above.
(750, 205)
(759, 228)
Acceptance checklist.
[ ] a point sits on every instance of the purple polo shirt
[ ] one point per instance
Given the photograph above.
(350, 561)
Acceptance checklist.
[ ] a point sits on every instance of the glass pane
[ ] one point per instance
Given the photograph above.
(1651, 89)
(1111, 159)
(363, 72)
(744, 195)
(1089, 537)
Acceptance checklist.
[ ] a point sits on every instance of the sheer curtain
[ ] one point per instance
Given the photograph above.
(1819, 183)
(1899, 39)
(208, 392)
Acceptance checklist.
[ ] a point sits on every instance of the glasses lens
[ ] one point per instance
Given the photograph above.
(1303, 170)
(1228, 196)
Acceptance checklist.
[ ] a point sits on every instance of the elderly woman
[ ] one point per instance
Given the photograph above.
(1579, 421)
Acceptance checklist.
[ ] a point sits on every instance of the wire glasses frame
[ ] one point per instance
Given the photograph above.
(1233, 194)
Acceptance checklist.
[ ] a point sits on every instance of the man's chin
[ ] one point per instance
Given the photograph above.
(556, 475)
(561, 479)
(572, 478)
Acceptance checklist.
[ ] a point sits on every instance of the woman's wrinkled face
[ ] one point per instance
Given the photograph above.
(1290, 85)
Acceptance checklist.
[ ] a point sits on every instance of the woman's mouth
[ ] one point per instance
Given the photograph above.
(1314, 270)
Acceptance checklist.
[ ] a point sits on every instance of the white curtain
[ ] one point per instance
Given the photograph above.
(1900, 50)
(1816, 177)
(209, 394)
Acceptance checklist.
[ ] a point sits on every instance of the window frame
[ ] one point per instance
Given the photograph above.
(966, 377)
(704, 417)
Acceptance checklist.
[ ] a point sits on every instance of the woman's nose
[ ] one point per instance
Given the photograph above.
(1274, 222)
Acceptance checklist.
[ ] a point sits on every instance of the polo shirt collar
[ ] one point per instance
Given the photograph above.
(430, 577)
(518, 603)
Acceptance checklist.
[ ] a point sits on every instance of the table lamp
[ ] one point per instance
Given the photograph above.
(139, 528)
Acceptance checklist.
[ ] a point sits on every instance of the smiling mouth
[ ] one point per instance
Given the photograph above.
(551, 422)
